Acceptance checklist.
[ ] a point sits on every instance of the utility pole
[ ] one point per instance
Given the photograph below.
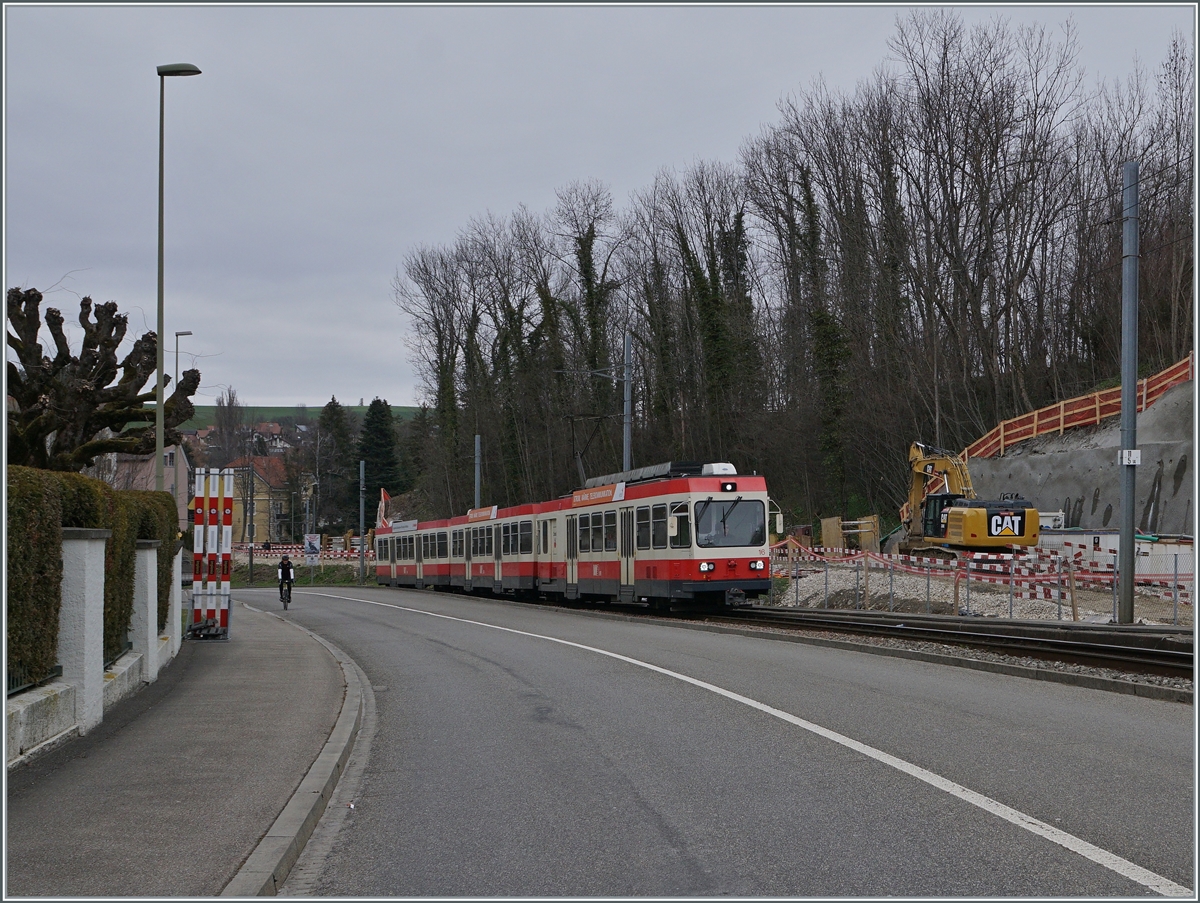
(362, 532)
(1130, 456)
(477, 466)
(627, 457)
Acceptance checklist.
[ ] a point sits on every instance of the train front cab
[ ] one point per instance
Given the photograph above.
(695, 541)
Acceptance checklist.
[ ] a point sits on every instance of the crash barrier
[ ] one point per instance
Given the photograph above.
(1028, 574)
(212, 544)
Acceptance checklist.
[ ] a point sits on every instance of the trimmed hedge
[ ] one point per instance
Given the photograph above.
(78, 501)
(34, 578)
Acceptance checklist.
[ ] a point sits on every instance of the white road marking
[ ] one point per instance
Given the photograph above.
(1110, 861)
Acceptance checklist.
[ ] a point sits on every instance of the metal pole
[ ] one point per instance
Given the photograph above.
(856, 584)
(928, 577)
(158, 389)
(1012, 575)
(1116, 566)
(477, 470)
(891, 584)
(825, 604)
(1129, 341)
(627, 458)
(250, 477)
(362, 532)
(1058, 570)
(968, 585)
(1175, 590)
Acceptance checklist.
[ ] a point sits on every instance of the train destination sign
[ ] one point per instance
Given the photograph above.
(598, 495)
(482, 513)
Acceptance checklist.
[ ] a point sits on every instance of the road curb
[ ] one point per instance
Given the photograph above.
(267, 867)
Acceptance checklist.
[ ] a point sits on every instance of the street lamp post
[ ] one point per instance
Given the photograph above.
(163, 72)
(177, 335)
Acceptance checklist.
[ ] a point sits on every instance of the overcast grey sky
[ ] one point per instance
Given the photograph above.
(323, 143)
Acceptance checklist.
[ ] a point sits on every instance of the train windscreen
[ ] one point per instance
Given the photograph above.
(734, 522)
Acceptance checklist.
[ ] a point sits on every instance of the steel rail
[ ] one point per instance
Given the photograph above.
(1155, 651)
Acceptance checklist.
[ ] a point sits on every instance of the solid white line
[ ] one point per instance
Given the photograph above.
(1110, 861)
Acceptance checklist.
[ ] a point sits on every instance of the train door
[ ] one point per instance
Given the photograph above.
(625, 546)
(391, 548)
(419, 541)
(572, 558)
(496, 585)
(470, 538)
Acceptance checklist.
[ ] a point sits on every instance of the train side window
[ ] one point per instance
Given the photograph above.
(597, 532)
(544, 548)
(474, 542)
(683, 538)
(505, 534)
(585, 533)
(658, 522)
(610, 531)
(441, 545)
(487, 541)
(643, 527)
(526, 537)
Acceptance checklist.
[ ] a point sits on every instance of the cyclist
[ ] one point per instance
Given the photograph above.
(287, 577)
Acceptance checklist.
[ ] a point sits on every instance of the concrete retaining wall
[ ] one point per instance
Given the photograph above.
(1077, 473)
(38, 719)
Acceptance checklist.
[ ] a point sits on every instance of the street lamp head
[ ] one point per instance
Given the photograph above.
(185, 332)
(178, 69)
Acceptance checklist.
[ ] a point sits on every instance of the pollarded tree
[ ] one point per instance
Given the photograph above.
(59, 407)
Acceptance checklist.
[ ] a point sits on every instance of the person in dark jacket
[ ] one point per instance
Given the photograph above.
(287, 574)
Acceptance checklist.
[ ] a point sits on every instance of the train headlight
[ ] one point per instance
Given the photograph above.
(706, 566)
(757, 565)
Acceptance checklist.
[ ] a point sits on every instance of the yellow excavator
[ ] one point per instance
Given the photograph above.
(943, 514)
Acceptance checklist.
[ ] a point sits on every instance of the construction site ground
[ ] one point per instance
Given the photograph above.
(908, 593)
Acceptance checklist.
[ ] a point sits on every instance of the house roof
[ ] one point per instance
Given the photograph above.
(269, 468)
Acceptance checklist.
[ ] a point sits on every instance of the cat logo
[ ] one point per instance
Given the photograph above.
(1006, 524)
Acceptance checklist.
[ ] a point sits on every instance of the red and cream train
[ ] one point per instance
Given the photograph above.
(676, 534)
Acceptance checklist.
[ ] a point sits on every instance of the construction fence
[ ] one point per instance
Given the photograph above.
(1072, 584)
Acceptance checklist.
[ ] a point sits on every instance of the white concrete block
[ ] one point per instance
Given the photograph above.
(174, 625)
(144, 626)
(37, 715)
(123, 677)
(81, 622)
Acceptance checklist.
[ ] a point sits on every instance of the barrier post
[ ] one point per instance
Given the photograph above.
(1071, 586)
(198, 520)
(227, 549)
(891, 584)
(928, 577)
(856, 584)
(825, 604)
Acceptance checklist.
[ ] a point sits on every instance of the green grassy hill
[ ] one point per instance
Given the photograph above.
(206, 414)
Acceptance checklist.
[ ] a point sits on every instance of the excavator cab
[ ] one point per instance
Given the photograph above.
(934, 513)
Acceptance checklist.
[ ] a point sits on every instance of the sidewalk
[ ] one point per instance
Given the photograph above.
(175, 788)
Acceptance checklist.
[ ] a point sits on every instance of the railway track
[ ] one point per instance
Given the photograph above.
(1133, 648)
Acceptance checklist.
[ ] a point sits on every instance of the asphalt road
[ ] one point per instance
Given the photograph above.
(505, 763)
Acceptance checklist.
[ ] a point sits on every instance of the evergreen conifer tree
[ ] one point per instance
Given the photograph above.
(377, 447)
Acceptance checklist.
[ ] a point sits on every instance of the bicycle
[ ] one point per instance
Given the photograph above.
(285, 595)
